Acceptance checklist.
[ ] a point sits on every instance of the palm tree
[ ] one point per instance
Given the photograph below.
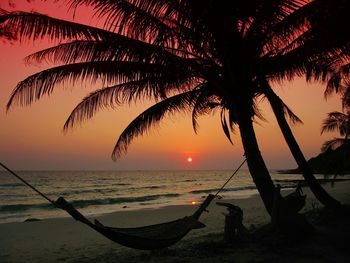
(277, 106)
(336, 151)
(196, 56)
(325, 55)
(336, 121)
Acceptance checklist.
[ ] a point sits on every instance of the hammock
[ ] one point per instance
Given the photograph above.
(147, 237)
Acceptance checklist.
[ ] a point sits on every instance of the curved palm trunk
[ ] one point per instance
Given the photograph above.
(319, 192)
(287, 220)
(256, 164)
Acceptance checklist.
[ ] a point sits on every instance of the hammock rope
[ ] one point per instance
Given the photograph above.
(26, 183)
(229, 179)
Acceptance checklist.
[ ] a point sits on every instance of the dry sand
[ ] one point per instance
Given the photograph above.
(65, 240)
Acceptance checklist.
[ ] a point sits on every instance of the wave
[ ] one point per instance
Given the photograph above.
(190, 180)
(84, 191)
(25, 207)
(104, 190)
(120, 200)
(10, 185)
(213, 190)
(147, 187)
(86, 203)
(285, 185)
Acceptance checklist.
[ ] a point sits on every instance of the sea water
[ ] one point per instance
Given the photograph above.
(100, 192)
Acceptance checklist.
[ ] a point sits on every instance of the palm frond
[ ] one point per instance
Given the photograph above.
(205, 103)
(109, 72)
(102, 98)
(257, 111)
(333, 122)
(338, 79)
(291, 115)
(150, 118)
(270, 24)
(333, 84)
(278, 104)
(224, 125)
(346, 98)
(137, 19)
(290, 24)
(283, 107)
(116, 95)
(38, 26)
(120, 48)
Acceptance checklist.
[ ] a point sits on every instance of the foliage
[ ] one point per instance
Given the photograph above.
(160, 49)
(336, 121)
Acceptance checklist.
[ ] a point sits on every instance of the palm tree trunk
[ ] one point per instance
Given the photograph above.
(320, 193)
(256, 164)
(287, 221)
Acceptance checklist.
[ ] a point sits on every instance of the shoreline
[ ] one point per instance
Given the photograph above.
(66, 240)
(100, 211)
(60, 214)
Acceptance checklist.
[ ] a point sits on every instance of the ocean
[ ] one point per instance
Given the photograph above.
(100, 192)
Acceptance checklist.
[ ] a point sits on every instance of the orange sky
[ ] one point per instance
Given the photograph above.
(32, 137)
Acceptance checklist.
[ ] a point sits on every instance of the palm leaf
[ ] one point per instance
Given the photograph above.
(293, 118)
(291, 115)
(137, 19)
(338, 78)
(333, 122)
(346, 98)
(224, 125)
(120, 48)
(151, 117)
(205, 103)
(110, 97)
(39, 84)
(279, 103)
(37, 26)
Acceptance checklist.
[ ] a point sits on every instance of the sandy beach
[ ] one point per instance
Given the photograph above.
(65, 240)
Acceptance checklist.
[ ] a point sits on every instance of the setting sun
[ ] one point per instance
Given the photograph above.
(189, 159)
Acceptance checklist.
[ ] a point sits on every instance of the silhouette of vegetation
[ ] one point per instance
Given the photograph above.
(336, 121)
(332, 162)
(199, 56)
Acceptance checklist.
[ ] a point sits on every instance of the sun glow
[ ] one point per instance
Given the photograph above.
(189, 160)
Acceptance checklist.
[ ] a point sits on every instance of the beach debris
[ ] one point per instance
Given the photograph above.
(234, 229)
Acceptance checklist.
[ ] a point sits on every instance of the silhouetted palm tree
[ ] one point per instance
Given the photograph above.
(196, 56)
(320, 193)
(336, 121)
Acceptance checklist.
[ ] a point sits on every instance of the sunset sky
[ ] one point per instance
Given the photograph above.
(32, 137)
